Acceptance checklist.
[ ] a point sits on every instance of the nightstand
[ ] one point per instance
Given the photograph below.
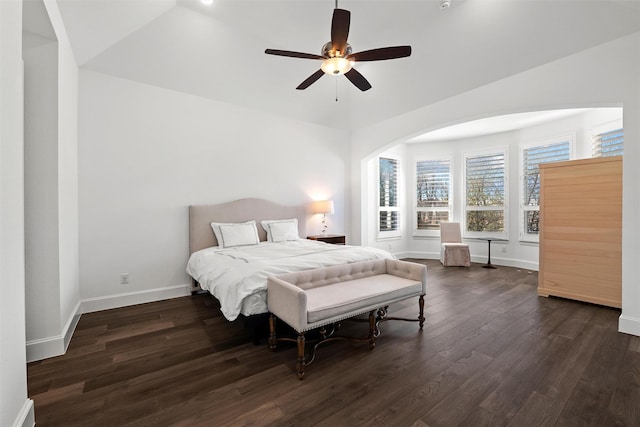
(334, 239)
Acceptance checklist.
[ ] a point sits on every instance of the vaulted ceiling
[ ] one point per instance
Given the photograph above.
(217, 51)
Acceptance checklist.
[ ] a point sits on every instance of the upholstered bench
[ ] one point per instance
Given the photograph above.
(312, 299)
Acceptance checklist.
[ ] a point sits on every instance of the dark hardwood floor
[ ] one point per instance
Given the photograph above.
(492, 353)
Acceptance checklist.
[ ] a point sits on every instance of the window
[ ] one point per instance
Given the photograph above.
(608, 140)
(556, 150)
(485, 194)
(433, 195)
(388, 195)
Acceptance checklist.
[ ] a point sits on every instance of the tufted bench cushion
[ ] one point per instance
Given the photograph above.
(312, 298)
(324, 302)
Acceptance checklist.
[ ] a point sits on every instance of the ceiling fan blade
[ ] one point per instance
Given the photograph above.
(340, 29)
(358, 79)
(292, 54)
(310, 80)
(380, 54)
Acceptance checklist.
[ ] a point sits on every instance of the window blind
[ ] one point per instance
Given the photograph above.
(388, 182)
(610, 143)
(433, 184)
(388, 220)
(388, 202)
(485, 180)
(531, 158)
(485, 193)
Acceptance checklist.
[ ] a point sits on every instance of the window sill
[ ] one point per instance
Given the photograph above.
(387, 238)
(424, 237)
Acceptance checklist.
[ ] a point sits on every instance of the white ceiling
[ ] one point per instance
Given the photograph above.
(217, 51)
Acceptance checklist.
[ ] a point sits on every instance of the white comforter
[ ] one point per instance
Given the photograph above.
(237, 274)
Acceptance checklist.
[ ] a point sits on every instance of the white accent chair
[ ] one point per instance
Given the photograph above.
(453, 253)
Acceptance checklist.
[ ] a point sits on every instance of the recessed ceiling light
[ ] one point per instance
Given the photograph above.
(207, 1)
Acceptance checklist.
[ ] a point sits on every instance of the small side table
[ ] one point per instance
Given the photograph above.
(489, 240)
(334, 239)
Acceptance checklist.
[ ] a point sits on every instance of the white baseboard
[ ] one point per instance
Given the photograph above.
(518, 263)
(132, 298)
(629, 325)
(26, 417)
(71, 326)
(528, 265)
(45, 348)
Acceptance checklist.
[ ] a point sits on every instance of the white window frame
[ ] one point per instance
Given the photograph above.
(416, 209)
(523, 208)
(604, 128)
(386, 234)
(504, 234)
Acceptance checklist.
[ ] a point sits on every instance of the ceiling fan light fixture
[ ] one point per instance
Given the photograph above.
(336, 65)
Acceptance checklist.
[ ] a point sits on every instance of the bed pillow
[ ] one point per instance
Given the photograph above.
(284, 231)
(215, 226)
(238, 235)
(287, 229)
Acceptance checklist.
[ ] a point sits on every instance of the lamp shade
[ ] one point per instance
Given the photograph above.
(323, 207)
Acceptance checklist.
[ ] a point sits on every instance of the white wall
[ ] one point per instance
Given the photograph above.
(67, 162)
(51, 195)
(585, 79)
(15, 408)
(147, 153)
(41, 189)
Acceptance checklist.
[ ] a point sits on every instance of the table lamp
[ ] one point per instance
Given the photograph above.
(324, 207)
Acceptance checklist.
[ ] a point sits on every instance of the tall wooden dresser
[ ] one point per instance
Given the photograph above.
(581, 230)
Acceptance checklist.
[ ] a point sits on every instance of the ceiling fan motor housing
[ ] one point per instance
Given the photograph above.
(328, 52)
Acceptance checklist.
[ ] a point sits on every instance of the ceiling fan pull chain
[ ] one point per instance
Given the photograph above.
(336, 81)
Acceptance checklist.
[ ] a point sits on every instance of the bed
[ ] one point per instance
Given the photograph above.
(236, 273)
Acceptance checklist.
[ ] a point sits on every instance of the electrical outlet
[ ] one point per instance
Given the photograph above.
(124, 279)
(504, 249)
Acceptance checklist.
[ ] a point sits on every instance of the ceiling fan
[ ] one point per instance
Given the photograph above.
(336, 55)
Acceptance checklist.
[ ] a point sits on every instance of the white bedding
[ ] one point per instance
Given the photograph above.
(237, 276)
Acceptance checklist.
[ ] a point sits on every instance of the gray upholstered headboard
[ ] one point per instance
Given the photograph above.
(201, 216)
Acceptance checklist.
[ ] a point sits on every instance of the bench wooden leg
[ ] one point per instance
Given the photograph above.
(421, 316)
(372, 330)
(300, 364)
(272, 333)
